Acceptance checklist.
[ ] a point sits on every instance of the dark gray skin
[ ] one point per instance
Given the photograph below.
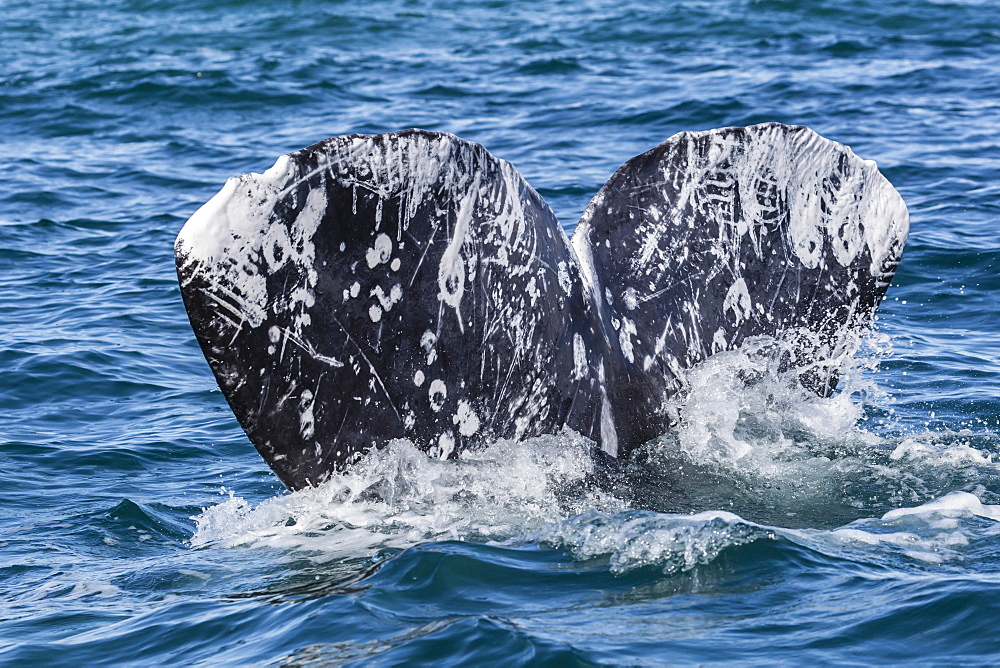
(411, 285)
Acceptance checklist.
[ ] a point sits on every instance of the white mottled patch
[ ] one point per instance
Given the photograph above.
(274, 333)
(532, 289)
(579, 357)
(380, 252)
(395, 264)
(625, 339)
(427, 341)
(355, 289)
(631, 298)
(562, 272)
(390, 300)
(609, 436)
(438, 393)
(446, 445)
(234, 243)
(719, 340)
(451, 270)
(738, 301)
(418, 378)
(307, 420)
(466, 419)
(521, 426)
(375, 312)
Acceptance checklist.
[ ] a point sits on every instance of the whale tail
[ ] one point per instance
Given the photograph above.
(412, 285)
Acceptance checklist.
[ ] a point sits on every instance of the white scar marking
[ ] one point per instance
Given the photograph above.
(738, 301)
(466, 419)
(625, 339)
(609, 436)
(579, 357)
(631, 299)
(307, 420)
(381, 252)
(438, 393)
(387, 302)
(451, 270)
(446, 444)
(427, 341)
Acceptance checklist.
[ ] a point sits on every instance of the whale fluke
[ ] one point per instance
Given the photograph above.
(412, 285)
(715, 237)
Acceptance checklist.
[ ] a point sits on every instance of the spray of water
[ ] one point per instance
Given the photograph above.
(754, 456)
(398, 496)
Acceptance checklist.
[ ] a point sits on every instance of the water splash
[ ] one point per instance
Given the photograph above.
(398, 496)
(744, 411)
(752, 443)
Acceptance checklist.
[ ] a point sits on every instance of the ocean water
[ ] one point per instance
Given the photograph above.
(138, 525)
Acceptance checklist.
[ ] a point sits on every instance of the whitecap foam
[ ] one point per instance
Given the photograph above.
(398, 496)
(935, 532)
(941, 449)
(541, 491)
(92, 588)
(636, 539)
(954, 504)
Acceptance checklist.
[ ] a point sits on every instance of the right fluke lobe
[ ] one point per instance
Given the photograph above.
(715, 237)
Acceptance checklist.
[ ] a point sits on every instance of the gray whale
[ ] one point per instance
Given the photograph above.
(412, 285)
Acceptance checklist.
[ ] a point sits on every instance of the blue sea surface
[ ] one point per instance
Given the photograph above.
(138, 525)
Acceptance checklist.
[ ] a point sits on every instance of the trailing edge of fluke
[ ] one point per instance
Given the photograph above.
(412, 285)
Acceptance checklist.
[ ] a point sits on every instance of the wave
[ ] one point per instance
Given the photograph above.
(754, 456)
